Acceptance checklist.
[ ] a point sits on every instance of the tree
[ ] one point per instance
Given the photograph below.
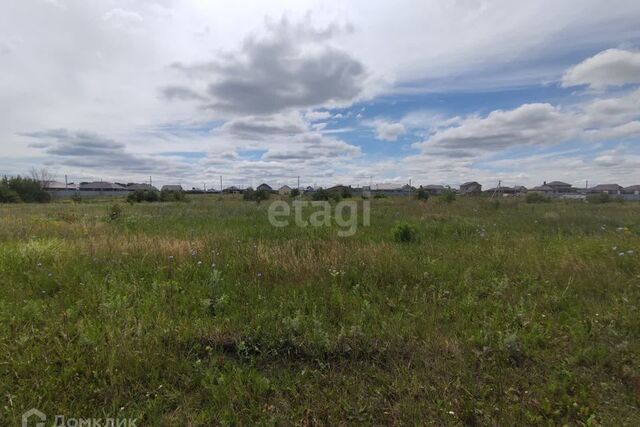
(27, 189)
(42, 175)
(422, 194)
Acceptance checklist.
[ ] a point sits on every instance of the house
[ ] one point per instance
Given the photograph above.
(543, 189)
(560, 187)
(519, 189)
(57, 186)
(285, 190)
(388, 189)
(309, 189)
(613, 189)
(339, 189)
(505, 191)
(265, 187)
(434, 190)
(141, 187)
(102, 186)
(633, 189)
(471, 187)
(232, 190)
(175, 188)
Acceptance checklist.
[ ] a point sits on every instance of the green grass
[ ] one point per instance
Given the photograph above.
(202, 313)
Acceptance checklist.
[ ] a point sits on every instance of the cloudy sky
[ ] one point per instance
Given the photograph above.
(439, 92)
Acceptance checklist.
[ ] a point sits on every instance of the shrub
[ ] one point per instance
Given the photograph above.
(248, 194)
(404, 232)
(598, 198)
(28, 190)
(380, 196)
(172, 196)
(295, 192)
(346, 193)
(322, 194)
(7, 195)
(139, 196)
(76, 198)
(256, 196)
(422, 194)
(449, 195)
(537, 198)
(115, 212)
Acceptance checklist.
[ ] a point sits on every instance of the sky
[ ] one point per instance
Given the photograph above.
(420, 91)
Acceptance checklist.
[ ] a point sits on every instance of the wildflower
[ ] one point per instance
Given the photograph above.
(194, 253)
(199, 263)
(39, 264)
(170, 257)
(213, 265)
(614, 248)
(621, 254)
(259, 274)
(630, 252)
(49, 275)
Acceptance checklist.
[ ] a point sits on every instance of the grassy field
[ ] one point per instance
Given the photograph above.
(202, 313)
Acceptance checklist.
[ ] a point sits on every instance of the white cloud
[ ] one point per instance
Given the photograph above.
(314, 116)
(529, 124)
(387, 131)
(612, 67)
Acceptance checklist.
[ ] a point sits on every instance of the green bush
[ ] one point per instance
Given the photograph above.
(255, 196)
(422, 194)
(172, 196)
(294, 193)
(537, 198)
(8, 195)
(449, 195)
(404, 232)
(380, 196)
(144, 196)
(115, 212)
(28, 190)
(597, 198)
(322, 194)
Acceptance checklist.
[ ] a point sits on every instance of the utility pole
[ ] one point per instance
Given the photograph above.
(298, 182)
(150, 181)
(221, 183)
(66, 184)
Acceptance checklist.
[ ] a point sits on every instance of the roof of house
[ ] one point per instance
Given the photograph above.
(632, 188)
(285, 187)
(542, 188)
(264, 185)
(433, 187)
(172, 187)
(141, 187)
(558, 184)
(606, 187)
(57, 185)
(467, 184)
(387, 186)
(101, 185)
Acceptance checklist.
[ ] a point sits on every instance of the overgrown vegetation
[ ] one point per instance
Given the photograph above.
(21, 189)
(256, 196)
(202, 313)
(422, 194)
(534, 197)
(140, 196)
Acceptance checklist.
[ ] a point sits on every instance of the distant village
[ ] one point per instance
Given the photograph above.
(553, 189)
